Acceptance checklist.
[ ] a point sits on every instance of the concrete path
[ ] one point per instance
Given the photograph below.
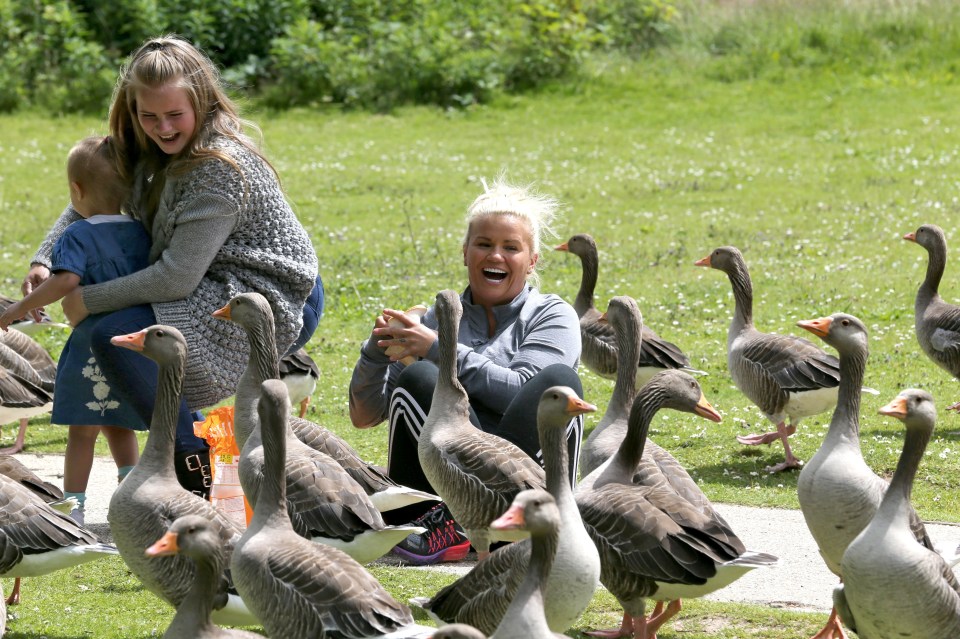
(800, 581)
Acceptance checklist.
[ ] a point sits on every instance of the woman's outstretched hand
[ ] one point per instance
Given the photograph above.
(402, 335)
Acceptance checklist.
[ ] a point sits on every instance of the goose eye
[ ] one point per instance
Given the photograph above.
(159, 332)
(845, 322)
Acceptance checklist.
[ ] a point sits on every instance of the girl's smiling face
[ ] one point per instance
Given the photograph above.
(167, 117)
(499, 256)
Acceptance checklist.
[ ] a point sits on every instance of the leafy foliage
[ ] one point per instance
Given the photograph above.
(375, 54)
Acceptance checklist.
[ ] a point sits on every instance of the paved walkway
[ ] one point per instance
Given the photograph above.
(800, 581)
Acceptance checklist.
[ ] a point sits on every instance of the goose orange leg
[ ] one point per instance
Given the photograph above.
(18, 444)
(303, 406)
(833, 629)
(955, 407)
(14, 597)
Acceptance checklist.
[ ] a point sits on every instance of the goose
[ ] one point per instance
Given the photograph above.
(600, 349)
(300, 373)
(16, 470)
(36, 539)
(536, 512)
(481, 597)
(297, 588)
(838, 492)
(627, 322)
(937, 322)
(476, 474)
(27, 377)
(657, 466)
(892, 586)
(150, 497)
(199, 539)
(785, 376)
(323, 502)
(253, 313)
(654, 544)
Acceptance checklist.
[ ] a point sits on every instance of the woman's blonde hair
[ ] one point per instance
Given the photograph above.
(92, 163)
(538, 211)
(171, 59)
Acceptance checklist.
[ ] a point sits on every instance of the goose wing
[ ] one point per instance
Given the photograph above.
(793, 363)
(481, 597)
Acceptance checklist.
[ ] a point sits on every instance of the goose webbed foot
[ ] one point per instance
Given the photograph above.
(756, 439)
(790, 461)
(660, 617)
(833, 629)
(625, 630)
(954, 407)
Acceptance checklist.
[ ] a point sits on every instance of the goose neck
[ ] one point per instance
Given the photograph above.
(262, 365)
(195, 609)
(627, 458)
(556, 462)
(846, 416)
(628, 346)
(271, 501)
(936, 264)
(159, 448)
(588, 283)
(448, 391)
(742, 296)
(897, 498)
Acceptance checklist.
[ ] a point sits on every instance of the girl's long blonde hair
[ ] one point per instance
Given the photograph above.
(172, 60)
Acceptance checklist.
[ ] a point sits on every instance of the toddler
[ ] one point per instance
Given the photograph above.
(102, 246)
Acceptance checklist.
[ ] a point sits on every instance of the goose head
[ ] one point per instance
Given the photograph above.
(533, 510)
(930, 237)
(448, 306)
(581, 245)
(559, 404)
(191, 535)
(248, 310)
(844, 332)
(915, 408)
(679, 391)
(620, 312)
(162, 344)
(726, 258)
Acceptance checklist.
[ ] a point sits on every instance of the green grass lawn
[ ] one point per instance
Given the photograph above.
(815, 175)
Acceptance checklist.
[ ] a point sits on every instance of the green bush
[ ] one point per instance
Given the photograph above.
(49, 59)
(633, 26)
(456, 53)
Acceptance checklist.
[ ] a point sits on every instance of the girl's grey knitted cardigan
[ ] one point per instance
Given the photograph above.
(215, 234)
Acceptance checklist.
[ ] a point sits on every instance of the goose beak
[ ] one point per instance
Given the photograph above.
(703, 261)
(511, 520)
(603, 318)
(562, 247)
(223, 313)
(704, 409)
(576, 406)
(910, 237)
(133, 341)
(819, 327)
(164, 547)
(897, 408)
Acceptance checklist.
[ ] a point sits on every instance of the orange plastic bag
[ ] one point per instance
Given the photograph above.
(225, 492)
